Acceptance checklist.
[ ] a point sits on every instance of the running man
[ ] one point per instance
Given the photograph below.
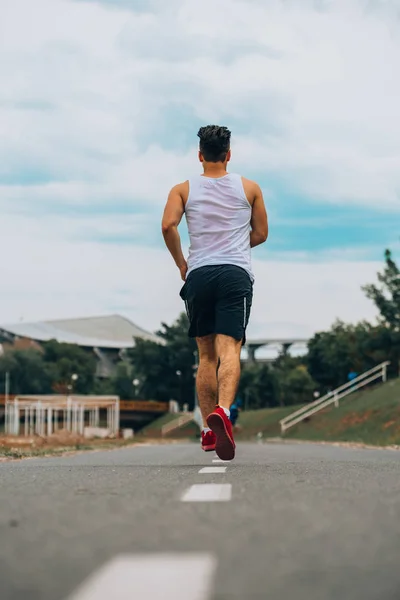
(226, 217)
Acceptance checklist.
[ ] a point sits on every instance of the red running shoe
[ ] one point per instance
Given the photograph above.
(220, 424)
(208, 440)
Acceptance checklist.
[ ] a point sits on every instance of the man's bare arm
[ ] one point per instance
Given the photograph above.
(259, 219)
(173, 214)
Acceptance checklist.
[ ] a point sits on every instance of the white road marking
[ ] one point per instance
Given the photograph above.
(208, 492)
(152, 576)
(218, 460)
(213, 470)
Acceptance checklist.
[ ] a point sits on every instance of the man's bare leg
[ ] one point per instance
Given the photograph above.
(206, 381)
(228, 351)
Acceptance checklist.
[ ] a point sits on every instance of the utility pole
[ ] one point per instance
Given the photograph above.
(179, 374)
(7, 386)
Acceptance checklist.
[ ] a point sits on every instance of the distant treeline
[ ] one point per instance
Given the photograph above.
(164, 372)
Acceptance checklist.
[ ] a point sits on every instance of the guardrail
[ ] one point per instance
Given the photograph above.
(380, 371)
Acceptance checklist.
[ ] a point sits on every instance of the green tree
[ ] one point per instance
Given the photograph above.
(121, 382)
(150, 365)
(64, 360)
(381, 344)
(28, 372)
(296, 386)
(157, 365)
(283, 382)
(182, 352)
(104, 387)
(333, 354)
(295, 382)
(386, 297)
(259, 386)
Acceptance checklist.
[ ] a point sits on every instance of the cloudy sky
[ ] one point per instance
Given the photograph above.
(100, 103)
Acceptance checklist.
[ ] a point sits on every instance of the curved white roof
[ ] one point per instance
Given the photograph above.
(112, 331)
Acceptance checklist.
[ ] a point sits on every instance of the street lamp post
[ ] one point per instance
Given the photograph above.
(135, 384)
(179, 373)
(74, 378)
(7, 385)
(80, 424)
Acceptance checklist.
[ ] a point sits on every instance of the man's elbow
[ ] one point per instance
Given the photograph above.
(262, 235)
(258, 237)
(167, 227)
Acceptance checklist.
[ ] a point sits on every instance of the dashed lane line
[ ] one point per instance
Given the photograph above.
(208, 492)
(213, 470)
(152, 576)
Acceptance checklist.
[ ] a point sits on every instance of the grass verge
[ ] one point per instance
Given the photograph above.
(264, 420)
(371, 417)
(10, 452)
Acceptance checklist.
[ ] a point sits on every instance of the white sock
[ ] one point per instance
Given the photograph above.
(206, 429)
(226, 411)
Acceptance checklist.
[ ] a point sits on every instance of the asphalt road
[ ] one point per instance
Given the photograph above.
(301, 522)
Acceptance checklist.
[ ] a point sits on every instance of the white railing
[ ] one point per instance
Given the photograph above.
(176, 423)
(380, 371)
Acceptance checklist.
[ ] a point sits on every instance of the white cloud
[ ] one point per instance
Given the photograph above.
(316, 90)
(314, 95)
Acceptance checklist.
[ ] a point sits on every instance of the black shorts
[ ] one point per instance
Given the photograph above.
(218, 300)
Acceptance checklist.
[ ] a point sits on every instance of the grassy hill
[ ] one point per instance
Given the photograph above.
(153, 430)
(252, 421)
(369, 417)
(264, 420)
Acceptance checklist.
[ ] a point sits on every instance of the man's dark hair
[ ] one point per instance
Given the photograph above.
(215, 142)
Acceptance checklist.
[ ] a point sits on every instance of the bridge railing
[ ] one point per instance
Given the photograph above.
(143, 406)
(124, 405)
(380, 371)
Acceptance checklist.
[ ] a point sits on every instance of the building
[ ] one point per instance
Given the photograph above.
(107, 336)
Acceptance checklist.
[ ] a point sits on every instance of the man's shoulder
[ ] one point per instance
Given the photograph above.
(251, 189)
(250, 182)
(182, 189)
(181, 185)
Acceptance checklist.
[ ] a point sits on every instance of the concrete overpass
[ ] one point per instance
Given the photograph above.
(253, 344)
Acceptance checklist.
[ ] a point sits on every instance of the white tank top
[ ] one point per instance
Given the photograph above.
(218, 216)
